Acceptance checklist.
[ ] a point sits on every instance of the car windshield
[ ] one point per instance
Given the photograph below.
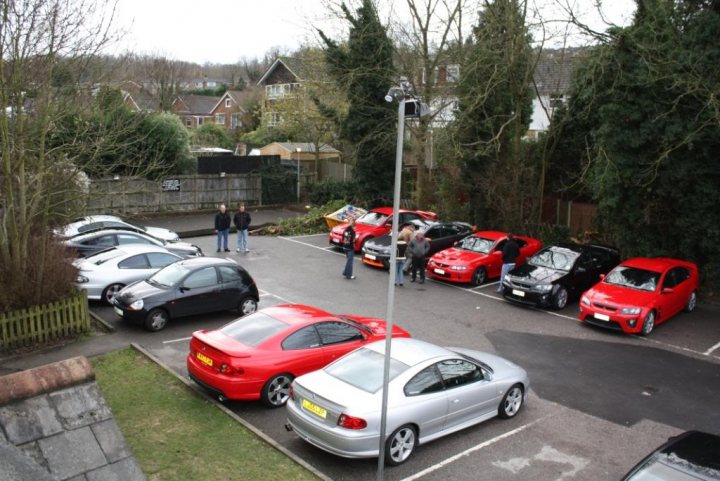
(253, 329)
(476, 244)
(676, 469)
(169, 275)
(364, 369)
(634, 278)
(372, 218)
(554, 258)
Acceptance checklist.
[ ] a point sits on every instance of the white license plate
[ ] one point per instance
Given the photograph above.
(518, 293)
(370, 256)
(439, 271)
(602, 317)
(118, 311)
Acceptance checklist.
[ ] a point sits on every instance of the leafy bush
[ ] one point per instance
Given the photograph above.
(311, 223)
(330, 190)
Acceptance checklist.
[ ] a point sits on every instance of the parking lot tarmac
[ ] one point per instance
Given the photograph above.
(599, 400)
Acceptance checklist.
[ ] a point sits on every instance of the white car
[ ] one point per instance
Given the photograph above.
(103, 274)
(95, 222)
(433, 391)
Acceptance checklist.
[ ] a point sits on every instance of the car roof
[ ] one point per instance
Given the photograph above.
(491, 234)
(656, 264)
(410, 351)
(132, 249)
(297, 314)
(699, 448)
(95, 232)
(388, 210)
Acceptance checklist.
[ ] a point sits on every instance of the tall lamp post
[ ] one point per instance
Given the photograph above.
(401, 94)
(297, 151)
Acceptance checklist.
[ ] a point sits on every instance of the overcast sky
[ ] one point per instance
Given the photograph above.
(224, 31)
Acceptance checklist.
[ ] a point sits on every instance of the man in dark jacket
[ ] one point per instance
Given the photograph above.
(349, 248)
(222, 228)
(510, 253)
(418, 249)
(241, 219)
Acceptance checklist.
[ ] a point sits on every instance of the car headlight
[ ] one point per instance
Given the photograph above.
(585, 300)
(630, 310)
(137, 305)
(458, 268)
(544, 287)
(81, 279)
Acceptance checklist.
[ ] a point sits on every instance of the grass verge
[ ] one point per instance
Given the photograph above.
(177, 435)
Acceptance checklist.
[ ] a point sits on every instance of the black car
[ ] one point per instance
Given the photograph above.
(691, 456)
(559, 273)
(185, 288)
(96, 241)
(441, 235)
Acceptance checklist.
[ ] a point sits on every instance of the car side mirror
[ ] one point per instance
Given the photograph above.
(667, 290)
(602, 276)
(184, 288)
(456, 243)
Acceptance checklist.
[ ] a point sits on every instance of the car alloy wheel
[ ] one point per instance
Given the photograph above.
(479, 276)
(648, 323)
(512, 402)
(247, 306)
(400, 445)
(276, 391)
(561, 298)
(156, 320)
(110, 292)
(691, 303)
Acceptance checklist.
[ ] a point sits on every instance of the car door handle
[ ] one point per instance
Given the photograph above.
(455, 401)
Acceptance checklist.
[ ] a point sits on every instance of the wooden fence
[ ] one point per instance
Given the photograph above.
(39, 324)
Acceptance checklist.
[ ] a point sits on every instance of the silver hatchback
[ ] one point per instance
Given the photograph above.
(433, 391)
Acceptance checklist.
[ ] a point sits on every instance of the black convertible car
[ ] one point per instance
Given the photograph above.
(441, 235)
(558, 273)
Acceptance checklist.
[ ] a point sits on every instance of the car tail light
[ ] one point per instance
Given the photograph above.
(228, 369)
(350, 422)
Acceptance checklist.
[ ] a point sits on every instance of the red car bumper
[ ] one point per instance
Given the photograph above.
(450, 275)
(231, 386)
(630, 323)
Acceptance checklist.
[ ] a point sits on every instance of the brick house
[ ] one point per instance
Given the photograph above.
(195, 110)
(229, 111)
(280, 81)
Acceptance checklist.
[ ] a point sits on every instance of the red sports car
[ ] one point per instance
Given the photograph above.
(640, 293)
(477, 257)
(375, 223)
(258, 356)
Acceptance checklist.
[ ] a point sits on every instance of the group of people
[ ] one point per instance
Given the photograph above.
(241, 219)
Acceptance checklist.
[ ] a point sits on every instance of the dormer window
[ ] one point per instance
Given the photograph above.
(227, 103)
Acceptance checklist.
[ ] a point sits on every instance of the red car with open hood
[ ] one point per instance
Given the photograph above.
(258, 356)
(477, 257)
(375, 223)
(641, 293)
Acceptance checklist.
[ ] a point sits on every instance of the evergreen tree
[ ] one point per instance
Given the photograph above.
(363, 67)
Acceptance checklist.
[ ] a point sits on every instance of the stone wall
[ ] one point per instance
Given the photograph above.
(55, 425)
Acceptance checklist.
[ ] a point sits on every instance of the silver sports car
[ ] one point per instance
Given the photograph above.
(95, 222)
(433, 391)
(103, 274)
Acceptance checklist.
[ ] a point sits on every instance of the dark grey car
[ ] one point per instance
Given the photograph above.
(92, 242)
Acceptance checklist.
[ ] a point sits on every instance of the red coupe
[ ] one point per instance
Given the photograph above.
(375, 223)
(258, 356)
(477, 257)
(640, 293)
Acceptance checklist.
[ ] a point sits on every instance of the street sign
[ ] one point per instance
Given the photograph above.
(170, 185)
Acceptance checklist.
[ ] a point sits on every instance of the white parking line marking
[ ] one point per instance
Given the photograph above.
(710, 351)
(177, 340)
(266, 293)
(485, 444)
(486, 285)
(324, 249)
(306, 235)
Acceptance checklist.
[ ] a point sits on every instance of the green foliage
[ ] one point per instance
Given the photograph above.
(212, 135)
(363, 67)
(328, 190)
(311, 223)
(262, 136)
(648, 101)
(216, 92)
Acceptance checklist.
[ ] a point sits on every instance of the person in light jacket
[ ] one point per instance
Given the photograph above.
(418, 249)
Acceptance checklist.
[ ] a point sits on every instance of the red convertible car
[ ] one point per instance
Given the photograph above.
(375, 223)
(640, 293)
(258, 356)
(477, 257)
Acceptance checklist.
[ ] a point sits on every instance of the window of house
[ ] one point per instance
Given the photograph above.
(200, 121)
(453, 73)
(273, 119)
(188, 122)
(556, 100)
(235, 121)
(228, 103)
(220, 119)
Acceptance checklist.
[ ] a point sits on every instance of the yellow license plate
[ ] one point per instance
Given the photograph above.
(204, 359)
(314, 408)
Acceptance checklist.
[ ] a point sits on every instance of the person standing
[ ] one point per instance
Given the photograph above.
(510, 253)
(406, 235)
(222, 228)
(400, 261)
(241, 219)
(349, 247)
(418, 249)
